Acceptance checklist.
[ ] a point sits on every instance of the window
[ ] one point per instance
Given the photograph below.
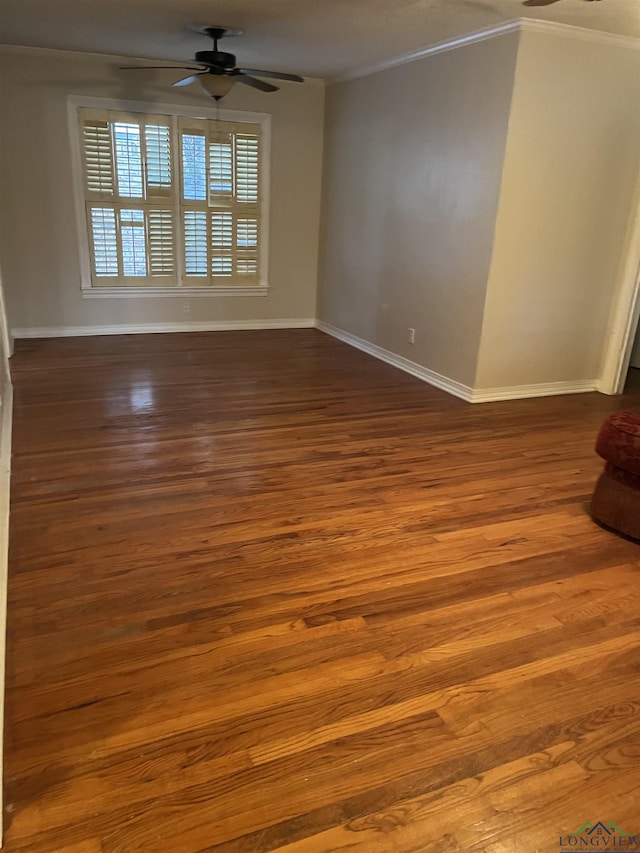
(172, 201)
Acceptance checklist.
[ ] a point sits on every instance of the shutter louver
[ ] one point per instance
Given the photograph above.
(222, 243)
(98, 157)
(162, 250)
(247, 246)
(221, 266)
(194, 167)
(247, 233)
(158, 161)
(220, 164)
(128, 159)
(104, 241)
(133, 241)
(247, 266)
(221, 230)
(195, 243)
(247, 168)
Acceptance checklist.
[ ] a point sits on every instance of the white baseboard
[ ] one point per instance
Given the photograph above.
(545, 389)
(156, 328)
(464, 392)
(430, 376)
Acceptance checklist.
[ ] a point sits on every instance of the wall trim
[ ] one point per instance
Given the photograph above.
(158, 328)
(170, 292)
(464, 392)
(494, 31)
(405, 364)
(438, 47)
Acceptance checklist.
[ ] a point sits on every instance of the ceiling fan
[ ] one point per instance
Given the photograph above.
(217, 71)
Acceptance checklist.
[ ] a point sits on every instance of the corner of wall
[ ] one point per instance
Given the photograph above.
(321, 216)
(481, 339)
(625, 309)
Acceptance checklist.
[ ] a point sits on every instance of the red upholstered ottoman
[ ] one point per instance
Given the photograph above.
(616, 500)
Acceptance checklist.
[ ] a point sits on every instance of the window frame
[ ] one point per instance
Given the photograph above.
(179, 288)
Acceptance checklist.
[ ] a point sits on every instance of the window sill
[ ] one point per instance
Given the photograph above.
(184, 292)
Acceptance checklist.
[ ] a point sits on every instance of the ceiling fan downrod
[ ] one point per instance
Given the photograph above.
(215, 57)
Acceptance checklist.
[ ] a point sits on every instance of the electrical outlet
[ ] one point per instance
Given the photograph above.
(186, 307)
(412, 336)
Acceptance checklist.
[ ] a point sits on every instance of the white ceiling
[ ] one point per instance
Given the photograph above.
(316, 38)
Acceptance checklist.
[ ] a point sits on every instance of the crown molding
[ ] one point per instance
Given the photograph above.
(55, 51)
(486, 33)
(27, 50)
(439, 47)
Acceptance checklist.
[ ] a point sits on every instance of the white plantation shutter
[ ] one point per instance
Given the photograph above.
(166, 214)
(247, 246)
(248, 197)
(133, 242)
(220, 161)
(104, 241)
(195, 243)
(159, 172)
(221, 235)
(128, 149)
(128, 166)
(247, 168)
(162, 244)
(97, 154)
(221, 167)
(221, 230)
(193, 145)
(221, 180)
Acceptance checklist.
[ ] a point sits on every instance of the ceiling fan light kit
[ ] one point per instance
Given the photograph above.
(215, 86)
(216, 70)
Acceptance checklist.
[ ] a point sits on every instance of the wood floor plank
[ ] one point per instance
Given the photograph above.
(269, 594)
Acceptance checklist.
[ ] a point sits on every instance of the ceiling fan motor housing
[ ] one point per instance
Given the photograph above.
(217, 58)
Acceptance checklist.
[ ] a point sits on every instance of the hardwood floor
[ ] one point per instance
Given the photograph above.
(267, 593)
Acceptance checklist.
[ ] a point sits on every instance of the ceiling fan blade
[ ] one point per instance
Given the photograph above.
(187, 81)
(535, 3)
(156, 67)
(276, 75)
(256, 84)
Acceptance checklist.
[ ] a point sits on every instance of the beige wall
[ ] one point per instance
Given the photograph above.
(413, 160)
(570, 170)
(39, 244)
